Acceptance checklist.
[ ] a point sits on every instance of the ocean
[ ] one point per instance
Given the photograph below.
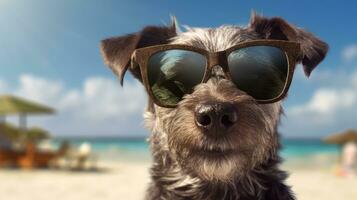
(138, 149)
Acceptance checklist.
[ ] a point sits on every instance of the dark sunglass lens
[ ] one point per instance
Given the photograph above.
(260, 71)
(173, 73)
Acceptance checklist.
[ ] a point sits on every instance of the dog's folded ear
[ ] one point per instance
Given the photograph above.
(313, 50)
(117, 51)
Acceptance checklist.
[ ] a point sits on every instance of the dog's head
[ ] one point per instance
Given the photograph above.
(217, 131)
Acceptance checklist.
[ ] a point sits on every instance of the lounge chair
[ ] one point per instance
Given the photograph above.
(80, 158)
(34, 158)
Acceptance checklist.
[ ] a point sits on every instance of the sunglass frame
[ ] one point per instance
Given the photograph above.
(140, 57)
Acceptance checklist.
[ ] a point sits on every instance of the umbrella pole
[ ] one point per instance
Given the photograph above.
(23, 122)
(2, 119)
(22, 127)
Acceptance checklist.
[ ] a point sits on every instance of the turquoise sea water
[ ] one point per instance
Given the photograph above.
(307, 147)
(138, 149)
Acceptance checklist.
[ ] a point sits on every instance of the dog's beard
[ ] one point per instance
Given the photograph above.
(219, 167)
(221, 159)
(220, 170)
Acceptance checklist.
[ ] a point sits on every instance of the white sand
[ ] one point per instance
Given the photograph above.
(322, 185)
(128, 181)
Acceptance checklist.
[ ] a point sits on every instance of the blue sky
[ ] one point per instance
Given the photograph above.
(49, 52)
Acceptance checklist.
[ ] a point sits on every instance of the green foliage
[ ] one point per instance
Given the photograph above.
(9, 131)
(14, 134)
(37, 134)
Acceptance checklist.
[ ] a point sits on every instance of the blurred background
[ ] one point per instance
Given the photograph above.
(68, 129)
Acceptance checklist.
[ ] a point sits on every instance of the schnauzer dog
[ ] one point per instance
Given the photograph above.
(215, 101)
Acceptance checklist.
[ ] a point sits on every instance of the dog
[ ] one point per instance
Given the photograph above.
(214, 140)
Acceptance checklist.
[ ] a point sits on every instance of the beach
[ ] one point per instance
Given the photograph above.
(114, 181)
(321, 185)
(123, 173)
(128, 180)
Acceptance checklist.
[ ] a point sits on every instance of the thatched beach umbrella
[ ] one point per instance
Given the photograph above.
(347, 142)
(11, 105)
(342, 138)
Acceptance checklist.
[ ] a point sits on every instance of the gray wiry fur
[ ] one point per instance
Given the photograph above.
(175, 139)
(183, 168)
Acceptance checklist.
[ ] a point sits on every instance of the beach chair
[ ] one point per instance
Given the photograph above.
(7, 154)
(81, 158)
(9, 157)
(33, 158)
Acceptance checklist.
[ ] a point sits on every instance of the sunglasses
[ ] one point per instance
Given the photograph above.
(262, 69)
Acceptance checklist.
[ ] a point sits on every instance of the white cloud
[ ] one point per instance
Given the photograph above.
(327, 101)
(332, 107)
(100, 106)
(103, 99)
(350, 52)
(39, 89)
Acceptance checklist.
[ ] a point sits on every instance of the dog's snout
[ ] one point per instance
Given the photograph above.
(215, 116)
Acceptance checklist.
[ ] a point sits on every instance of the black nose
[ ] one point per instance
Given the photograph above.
(215, 116)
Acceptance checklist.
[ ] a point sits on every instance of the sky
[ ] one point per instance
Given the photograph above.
(49, 52)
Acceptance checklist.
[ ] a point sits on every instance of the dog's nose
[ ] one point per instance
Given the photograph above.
(215, 116)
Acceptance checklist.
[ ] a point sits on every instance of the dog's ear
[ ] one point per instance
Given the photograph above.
(117, 51)
(313, 50)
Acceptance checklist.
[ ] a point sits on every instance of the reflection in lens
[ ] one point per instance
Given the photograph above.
(260, 71)
(173, 73)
